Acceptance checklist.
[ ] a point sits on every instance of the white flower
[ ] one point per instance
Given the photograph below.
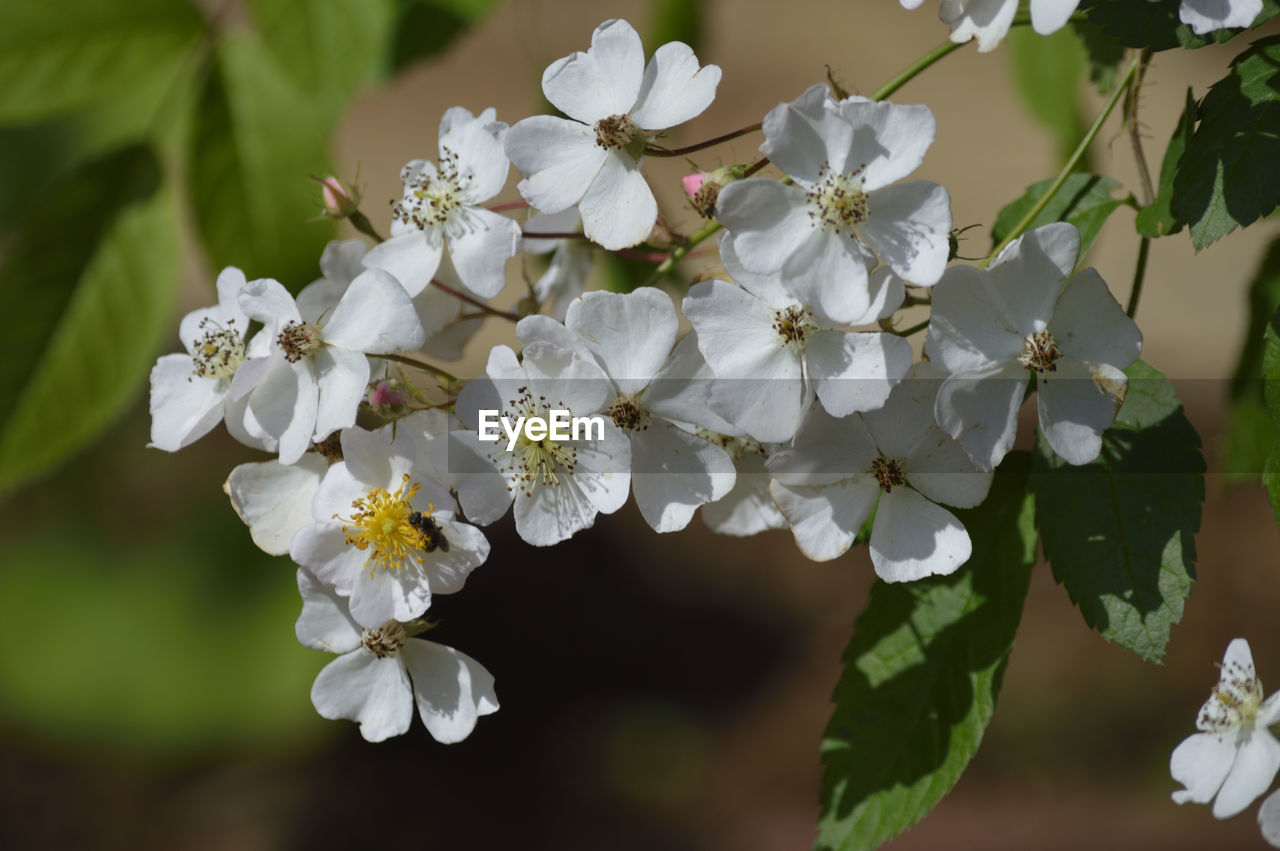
(441, 206)
(653, 391)
(615, 104)
(748, 508)
(1235, 757)
(819, 234)
(447, 320)
(989, 20)
(383, 672)
(558, 486)
(991, 329)
(1207, 15)
(191, 393)
(1269, 819)
(274, 499)
(340, 264)
(380, 536)
(771, 354)
(312, 379)
(566, 275)
(828, 483)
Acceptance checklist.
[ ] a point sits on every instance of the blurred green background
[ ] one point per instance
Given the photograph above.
(657, 692)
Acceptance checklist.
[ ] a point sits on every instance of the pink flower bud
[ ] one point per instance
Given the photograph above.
(340, 200)
(384, 396)
(693, 182)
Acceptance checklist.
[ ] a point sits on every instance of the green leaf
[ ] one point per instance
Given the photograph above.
(426, 27)
(1249, 435)
(1156, 25)
(1230, 173)
(58, 57)
(1048, 71)
(255, 142)
(1120, 532)
(92, 277)
(677, 20)
(1104, 53)
(1157, 218)
(327, 47)
(1271, 390)
(922, 673)
(1084, 200)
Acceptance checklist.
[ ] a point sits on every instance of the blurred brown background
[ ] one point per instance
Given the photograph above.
(657, 692)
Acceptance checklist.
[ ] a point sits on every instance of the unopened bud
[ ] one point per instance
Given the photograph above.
(340, 200)
(703, 188)
(386, 399)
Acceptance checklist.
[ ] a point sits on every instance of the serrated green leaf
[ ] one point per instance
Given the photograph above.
(92, 276)
(1084, 200)
(58, 57)
(327, 47)
(1230, 174)
(255, 142)
(426, 27)
(1157, 218)
(676, 20)
(922, 673)
(1048, 70)
(1156, 25)
(1103, 52)
(1249, 434)
(1119, 532)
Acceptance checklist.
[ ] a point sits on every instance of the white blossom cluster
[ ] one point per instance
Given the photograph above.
(793, 402)
(989, 21)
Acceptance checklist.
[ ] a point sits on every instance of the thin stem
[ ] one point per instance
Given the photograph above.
(911, 71)
(1135, 136)
(1139, 274)
(537, 234)
(422, 365)
(475, 302)
(361, 222)
(700, 235)
(510, 205)
(651, 151)
(755, 166)
(642, 256)
(1070, 165)
(907, 332)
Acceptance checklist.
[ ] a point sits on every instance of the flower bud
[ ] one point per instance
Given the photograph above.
(340, 200)
(386, 399)
(703, 188)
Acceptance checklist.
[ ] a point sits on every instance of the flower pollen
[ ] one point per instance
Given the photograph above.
(888, 473)
(1040, 352)
(615, 132)
(534, 462)
(628, 415)
(836, 201)
(384, 641)
(1234, 703)
(792, 325)
(219, 353)
(381, 524)
(431, 199)
(298, 340)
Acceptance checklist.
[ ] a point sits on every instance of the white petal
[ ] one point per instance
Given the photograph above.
(673, 472)
(1089, 324)
(380, 594)
(768, 288)
(735, 329)
(1269, 819)
(342, 261)
(1207, 15)
(411, 258)
(484, 494)
(940, 469)
(374, 316)
(855, 371)
(1078, 402)
(184, 406)
(274, 499)
(1257, 760)
(769, 222)
(477, 143)
(1049, 16)
(1200, 763)
(603, 472)
(749, 508)
(602, 82)
(322, 548)
(825, 520)
(367, 455)
(450, 688)
(889, 140)
(631, 334)
(829, 272)
(446, 572)
(980, 410)
(268, 302)
(988, 20)
(361, 687)
(342, 376)
(480, 252)
(284, 406)
(826, 450)
(807, 135)
(906, 419)
(967, 331)
(558, 158)
(909, 226)
(618, 209)
(324, 623)
(550, 514)
(912, 538)
(674, 88)
(1025, 280)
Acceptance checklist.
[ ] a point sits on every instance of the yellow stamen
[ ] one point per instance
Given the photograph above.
(381, 524)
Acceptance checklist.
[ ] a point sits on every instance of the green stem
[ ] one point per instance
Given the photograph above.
(651, 151)
(907, 332)
(422, 365)
(1144, 248)
(361, 222)
(911, 71)
(1070, 165)
(700, 235)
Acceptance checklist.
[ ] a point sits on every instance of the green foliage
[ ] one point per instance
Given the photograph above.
(1230, 173)
(1048, 71)
(58, 57)
(1157, 218)
(1249, 435)
(1084, 200)
(255, 141)
(922, 673)
(1104, 54)
(1271, 389)
(1120, 532)
(90, 275)
(1156, 25)
(426, 27)
(326, 47)
(676, 20)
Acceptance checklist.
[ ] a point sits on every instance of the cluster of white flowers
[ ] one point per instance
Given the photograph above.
(989, 20)
(1234, 757)
(792, 403)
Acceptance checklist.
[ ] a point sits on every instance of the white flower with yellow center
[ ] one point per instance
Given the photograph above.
(441, 207)
(380, 535)
(1234, 758)
(384, 671)
(191, 393)
(615, 105)
(558, 486)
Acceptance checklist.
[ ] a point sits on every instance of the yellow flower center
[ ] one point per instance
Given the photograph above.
(383, 523)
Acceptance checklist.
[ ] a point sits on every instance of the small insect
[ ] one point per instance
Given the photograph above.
(953, 239)
(432, 535)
